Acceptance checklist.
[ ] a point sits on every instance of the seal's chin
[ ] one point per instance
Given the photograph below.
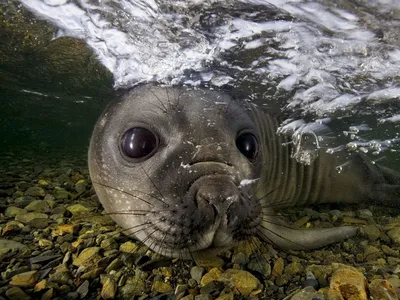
(212, 242)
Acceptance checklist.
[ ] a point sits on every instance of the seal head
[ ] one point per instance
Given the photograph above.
(175, 167)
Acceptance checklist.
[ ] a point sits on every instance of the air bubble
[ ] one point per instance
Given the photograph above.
(351, 146)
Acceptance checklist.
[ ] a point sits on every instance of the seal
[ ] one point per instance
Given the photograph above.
(193, 170)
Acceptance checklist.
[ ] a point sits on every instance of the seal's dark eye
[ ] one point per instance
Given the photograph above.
(138, 142)
(247, 143)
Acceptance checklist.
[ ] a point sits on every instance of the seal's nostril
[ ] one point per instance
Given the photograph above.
(215, 209)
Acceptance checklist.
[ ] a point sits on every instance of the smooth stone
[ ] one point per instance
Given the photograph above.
(128, 247)
(213, 288)
(43, 258)
(242, 280)
(35, 191)
(39, 223)
(23, 201)
(372, 253)
(88, 257)
(352, 220)
(77, 208)
(308, 293)
(260, 264)
(28, 217)
(48, 295)
(197, 273)
(61, 277)
(16, 293)
(371, 231)
(10, 245)
(348, 282)
(213, 274)
(83, 289)
(294, 268)
(114, 265)
(26, 279)
(38, 206)
(394, 235)
(161, 287)
(278, 268)
(209, 261)
(381, 289)
(203, 297)
(109, 288)
(12, 211)
(81, 185)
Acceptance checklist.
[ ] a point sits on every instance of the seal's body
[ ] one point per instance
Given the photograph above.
(193, 170)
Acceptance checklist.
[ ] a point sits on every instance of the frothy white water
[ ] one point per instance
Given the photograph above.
(133, 39)
(320, 59)
(324, 50)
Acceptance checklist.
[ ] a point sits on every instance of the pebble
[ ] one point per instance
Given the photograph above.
(16, 293)
(7, 245)
(161, 287)
(28, 217)
(348, 283)
(12, 211)
(372, 253)
(128, 247)
(260, 265)
(213, 288)
(38, 206)
(371, 231)
(278, 268)
(242, 280)
(213, 274)
(352, 220)
(381, 289)
(197, 273)
(77, 208)
(81, 185)
(311, 281)
(109, 288)
(83, 289)
(308, 293)
(209, 261)
(88, 257)
(394, 235)
(35, 191)
(26, 279)
(294, 268)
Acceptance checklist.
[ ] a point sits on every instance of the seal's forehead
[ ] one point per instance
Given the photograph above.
(167, 99)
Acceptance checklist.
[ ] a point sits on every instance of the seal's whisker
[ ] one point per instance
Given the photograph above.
(129, 228)
(275, 204)
(130, 213)
(273, 190)
(276, 223)
(156, 187)
(124, 192)
(159, 100)
(258, 253)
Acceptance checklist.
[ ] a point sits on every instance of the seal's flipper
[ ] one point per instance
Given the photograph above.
(277, 232)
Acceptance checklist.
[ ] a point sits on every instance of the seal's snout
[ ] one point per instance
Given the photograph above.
(219, 199)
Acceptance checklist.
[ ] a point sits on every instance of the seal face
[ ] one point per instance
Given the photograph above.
(174, 167)
(188, 171)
